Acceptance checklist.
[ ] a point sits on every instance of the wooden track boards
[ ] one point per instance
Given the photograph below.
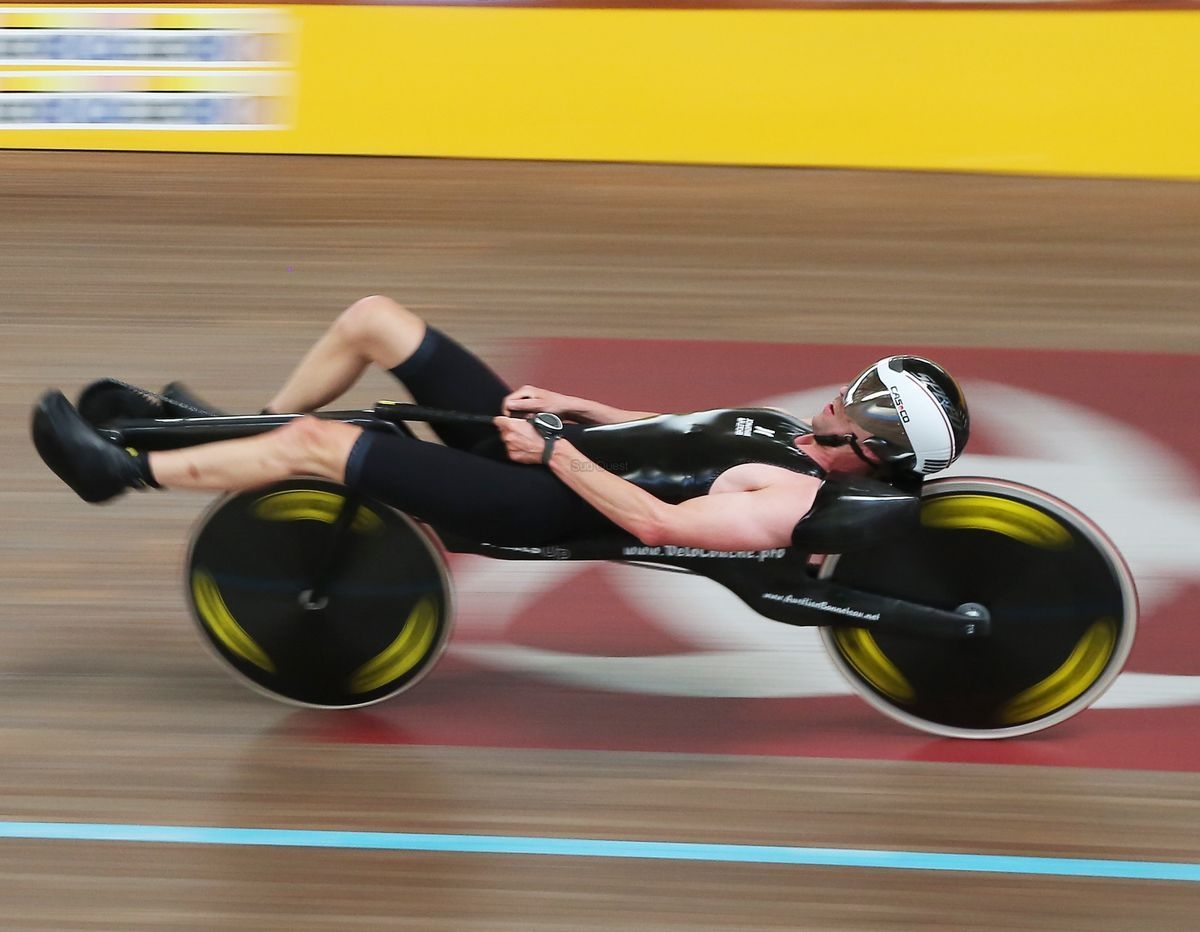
(220, 270)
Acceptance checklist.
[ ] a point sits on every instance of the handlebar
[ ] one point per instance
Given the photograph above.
(398, 412)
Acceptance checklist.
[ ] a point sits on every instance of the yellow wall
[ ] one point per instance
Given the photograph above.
(1096, 93)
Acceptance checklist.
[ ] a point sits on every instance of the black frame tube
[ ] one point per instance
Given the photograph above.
(175, 433)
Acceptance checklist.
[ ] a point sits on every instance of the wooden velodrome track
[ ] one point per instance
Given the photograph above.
(219, 270)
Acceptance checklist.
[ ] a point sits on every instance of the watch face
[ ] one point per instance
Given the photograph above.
(547, 421)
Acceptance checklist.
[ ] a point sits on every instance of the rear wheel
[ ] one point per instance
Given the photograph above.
(1062, 604)
(313, 605)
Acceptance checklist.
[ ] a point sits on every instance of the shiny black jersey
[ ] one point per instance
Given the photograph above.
(468, 487)
(676, 457)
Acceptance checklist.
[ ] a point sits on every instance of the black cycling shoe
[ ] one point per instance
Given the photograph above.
(94, 468)
(182, 402)
(106, 400)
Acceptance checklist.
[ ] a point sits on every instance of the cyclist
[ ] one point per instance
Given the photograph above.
(731, 479)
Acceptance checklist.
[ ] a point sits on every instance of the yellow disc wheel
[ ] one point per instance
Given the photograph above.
(317, 597)
(1062, 604)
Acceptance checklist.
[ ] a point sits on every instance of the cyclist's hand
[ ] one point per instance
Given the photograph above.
(522, 441)
(529, 399)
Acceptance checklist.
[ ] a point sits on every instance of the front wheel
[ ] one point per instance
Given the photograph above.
(318, 597)
(1062, 603)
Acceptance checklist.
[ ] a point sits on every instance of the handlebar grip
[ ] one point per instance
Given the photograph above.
(397, 412)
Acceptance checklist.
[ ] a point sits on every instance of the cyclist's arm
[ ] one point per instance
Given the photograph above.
(593, 412)
(529, 399)
(757, 515)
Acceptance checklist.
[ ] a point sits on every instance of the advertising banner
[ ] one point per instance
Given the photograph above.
(143, 71)
(1104, 91)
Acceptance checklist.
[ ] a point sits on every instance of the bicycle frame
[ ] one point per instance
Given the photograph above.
(779, 584)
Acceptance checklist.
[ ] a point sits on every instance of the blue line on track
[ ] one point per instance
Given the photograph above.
(601, 848)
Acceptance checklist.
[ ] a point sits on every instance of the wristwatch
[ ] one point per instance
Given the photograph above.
(550, 427)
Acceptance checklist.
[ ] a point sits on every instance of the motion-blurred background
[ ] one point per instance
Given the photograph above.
(672, 206)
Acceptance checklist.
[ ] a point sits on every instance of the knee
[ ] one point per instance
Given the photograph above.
(312, 447)
(371, 320)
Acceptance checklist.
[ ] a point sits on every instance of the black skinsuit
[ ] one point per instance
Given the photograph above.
(469, 487)
(679, 456)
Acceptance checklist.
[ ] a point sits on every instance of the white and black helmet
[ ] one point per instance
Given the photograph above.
(914, 411)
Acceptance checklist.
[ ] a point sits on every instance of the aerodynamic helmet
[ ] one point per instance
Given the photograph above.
(914, 411)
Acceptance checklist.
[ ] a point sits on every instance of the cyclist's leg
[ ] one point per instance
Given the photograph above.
(305, 447)
(465, 494)
(456, 491)
(452, 490)
(377, 330)
(441, 373)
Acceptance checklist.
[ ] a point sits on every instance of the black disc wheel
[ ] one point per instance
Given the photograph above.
(317, 596)
(1062, 605)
